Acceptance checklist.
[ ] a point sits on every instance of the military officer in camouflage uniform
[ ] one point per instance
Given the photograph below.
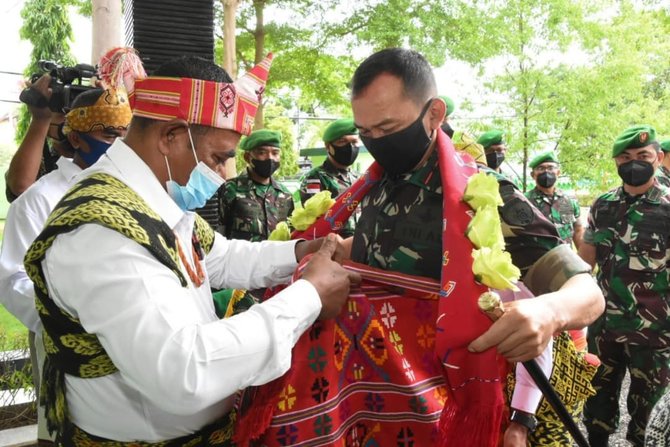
(561, 210)
(251, 204)
(663, 172)
(334, 175)
(494, 148)
(398, 116)
(628, 237)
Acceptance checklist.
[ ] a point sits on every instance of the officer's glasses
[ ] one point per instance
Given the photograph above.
(547, 168)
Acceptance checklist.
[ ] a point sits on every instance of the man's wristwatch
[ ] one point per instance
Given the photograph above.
(526, 419)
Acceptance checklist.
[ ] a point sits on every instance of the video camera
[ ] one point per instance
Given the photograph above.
(63, 86)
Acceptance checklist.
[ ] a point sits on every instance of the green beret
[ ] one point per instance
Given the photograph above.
(665, 145)
(490, 138)
(633, 138)
(339, 128)
(262, 137)
(450, 104)
(547, 156)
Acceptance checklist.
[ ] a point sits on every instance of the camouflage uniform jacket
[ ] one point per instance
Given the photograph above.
(561, 210)
(663, 175)
(400, 224)
(631, 236)
(249, 210)
(329, 178)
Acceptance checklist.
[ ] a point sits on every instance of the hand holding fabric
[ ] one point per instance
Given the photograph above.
(329, 278)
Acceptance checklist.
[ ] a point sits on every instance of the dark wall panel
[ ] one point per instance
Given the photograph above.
(162, 29)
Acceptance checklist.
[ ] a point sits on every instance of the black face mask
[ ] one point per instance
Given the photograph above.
(345, 155)
(636, 172)
(264, 168)
(546, 179)
(494, 159)
(400, 151)
(446, 128)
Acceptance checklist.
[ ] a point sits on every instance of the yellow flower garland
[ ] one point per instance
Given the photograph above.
(302, 218)
(492, 265)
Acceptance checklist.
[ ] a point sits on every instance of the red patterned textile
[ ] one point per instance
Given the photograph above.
(216, 104)
(377, 374)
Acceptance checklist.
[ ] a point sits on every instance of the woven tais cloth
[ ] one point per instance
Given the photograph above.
(368, 377)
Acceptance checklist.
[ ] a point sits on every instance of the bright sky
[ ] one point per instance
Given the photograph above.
(16, 52)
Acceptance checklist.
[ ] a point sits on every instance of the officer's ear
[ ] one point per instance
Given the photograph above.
(247, 157)
(661, 156)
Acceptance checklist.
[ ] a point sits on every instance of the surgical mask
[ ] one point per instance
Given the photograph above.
(635, 172)
(97, 149)
(494, 159)
(201, 186)
(400, 151)
(345, 155)
(264, 168)
(546, 179)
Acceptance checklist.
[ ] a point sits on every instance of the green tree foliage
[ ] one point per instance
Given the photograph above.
(576, 106)
(624, 84)
(47, 26)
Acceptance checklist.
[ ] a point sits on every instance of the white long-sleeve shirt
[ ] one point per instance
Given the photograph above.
(25, 220)
(179, 365)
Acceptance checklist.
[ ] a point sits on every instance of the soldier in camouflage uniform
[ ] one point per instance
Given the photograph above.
(628, 238)
(251, 204)
(334, 175)
(561, 210)
(400, 224)
(663, 172)
(494, 148)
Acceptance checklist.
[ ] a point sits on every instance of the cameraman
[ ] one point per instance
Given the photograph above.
(35, 157)
(97, 118)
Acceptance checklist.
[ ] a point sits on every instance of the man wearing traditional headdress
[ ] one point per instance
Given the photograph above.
(123, 270)
(96, 119)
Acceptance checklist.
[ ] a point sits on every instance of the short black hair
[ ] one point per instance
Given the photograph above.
(186, 67)
(408, 65)
(193, 67)
(87, 98)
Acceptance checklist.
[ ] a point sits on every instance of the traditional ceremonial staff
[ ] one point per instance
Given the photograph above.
(491, 304)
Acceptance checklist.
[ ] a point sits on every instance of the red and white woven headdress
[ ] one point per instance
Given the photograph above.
(223, 105)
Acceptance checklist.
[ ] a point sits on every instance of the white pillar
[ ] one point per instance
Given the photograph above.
(106, 27)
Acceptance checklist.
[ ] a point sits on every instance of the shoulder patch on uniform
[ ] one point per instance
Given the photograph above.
(506, 190)
(517, 213)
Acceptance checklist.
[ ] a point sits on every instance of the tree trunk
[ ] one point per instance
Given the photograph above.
(229, 60)
(229, 28)
(106, 27)
(259, 36)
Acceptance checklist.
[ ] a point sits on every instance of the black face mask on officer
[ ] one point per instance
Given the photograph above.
(636, 172)
(494, 159)
(401, 151)
(264, 168)
(546, 179)
(345, 154)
